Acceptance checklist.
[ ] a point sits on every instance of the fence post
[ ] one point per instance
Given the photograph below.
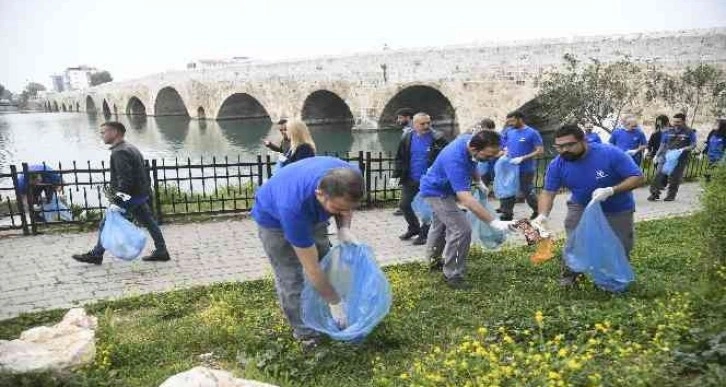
(30, 196)
(368, 178)
(18, 200)
(259, 170)
(157, 194)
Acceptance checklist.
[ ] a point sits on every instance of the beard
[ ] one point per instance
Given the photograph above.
(570, 156)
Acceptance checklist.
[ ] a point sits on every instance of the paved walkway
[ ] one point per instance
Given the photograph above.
(37, 273)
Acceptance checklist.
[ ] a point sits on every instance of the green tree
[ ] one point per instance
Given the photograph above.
(594, 91)
(31, 91)
(2, 91)
(695, 90)
(100, 77)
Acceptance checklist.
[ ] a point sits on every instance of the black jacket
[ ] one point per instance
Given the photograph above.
(403, 154)
(303, 151)
(654, 142)
(128, 172)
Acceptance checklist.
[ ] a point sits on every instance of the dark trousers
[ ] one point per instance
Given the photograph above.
(142, 213)
(526, 189)
(409, 189)
(673, 181)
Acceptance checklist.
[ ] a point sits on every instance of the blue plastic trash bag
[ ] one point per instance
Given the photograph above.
(482, 233)
(356, 277)
(506, 178)
(121, 237)
(671, 160)
(422, 209)
(593, 248)
(56, 210)
(482, 168)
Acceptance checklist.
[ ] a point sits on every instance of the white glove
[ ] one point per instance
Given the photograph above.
(700, 156)
(516, 160)
(483, 188)
(540, 223)
(345, 236)
(393, 182)
(501, 225)
(115, 208)
(632, 152)
(337, 311)
(601, 194)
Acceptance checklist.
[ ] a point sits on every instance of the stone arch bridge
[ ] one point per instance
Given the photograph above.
(455, 85)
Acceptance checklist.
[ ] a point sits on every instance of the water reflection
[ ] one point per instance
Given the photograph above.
(246, 134)
(173, 129)
(332, 137)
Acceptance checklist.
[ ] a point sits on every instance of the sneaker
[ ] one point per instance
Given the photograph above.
(457, 283)
(420, 240)
(569, 279)
(498, 211)
(669, 198)
(398, 212)
(88, 257)
(534, 215)
(436, 265)
(310, 343)
(157, 256)
(408, 235)
(506, 218)
(653, 198)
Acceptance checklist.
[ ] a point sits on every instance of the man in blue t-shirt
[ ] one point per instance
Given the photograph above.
(630, 139)
(291, 211)
(677, 137)
(591, 136)
(522, 144)
(592, 172)
(715, 147)
(417, 150)
(447, 182)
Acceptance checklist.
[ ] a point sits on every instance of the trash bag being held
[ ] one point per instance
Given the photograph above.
(671, 161)
(422, 209)
(595, 249)
(506, 178)
(362, 286)
(56, 210)
(481, 233)
(122, 238)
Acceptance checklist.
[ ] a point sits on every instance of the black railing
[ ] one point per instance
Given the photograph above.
(189, 188)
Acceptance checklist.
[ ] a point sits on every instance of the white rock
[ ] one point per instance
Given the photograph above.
(206, 377)
(66, 344)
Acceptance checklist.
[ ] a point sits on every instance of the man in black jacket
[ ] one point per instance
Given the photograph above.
(416, 152)
(129, 190)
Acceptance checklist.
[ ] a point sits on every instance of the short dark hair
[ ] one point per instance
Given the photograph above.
(406, 112)
(487, 123)
(662, 121)
(721, 130)
(680, 116)
(119, 127)
(343, 182)
(485, 139)
(516, 114)
(282, 122)
(570, 130)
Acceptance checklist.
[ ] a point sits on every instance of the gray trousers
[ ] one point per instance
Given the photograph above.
(289, 277)
(450, 234)
(409, 189)
(673, 181)
(621, 222)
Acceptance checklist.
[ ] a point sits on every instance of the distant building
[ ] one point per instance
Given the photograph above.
(58, 83)
(201, 64)
(78, 78)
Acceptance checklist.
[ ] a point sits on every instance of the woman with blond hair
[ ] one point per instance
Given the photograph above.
(301, 142)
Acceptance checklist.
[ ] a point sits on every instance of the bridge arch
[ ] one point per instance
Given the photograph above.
(420, 98)
(55, 106)
(325, 107)
(241, 106)
(115, 110)
(135, 107)
(63, 107)
(168, 102)
(90, 105)
(106, 109)
(78, 107)
(201, 115)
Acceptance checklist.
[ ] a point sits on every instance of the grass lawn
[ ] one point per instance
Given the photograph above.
(516, 327)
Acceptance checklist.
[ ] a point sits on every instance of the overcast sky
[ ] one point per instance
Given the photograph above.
(132, 38)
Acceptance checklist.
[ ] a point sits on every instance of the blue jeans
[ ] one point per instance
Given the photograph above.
(142, 213)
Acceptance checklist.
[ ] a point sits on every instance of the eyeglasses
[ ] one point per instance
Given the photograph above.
(567, 145)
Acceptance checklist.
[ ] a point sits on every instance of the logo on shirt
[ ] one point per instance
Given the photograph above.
(600, 174)
(523, 139)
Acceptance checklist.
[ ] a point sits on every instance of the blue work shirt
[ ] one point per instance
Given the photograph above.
(602, 166)
(676, 138)
(451, 171)
(593, 137)
(287, 201)
(419, 162)
(521, 142)
(628, 139)
(48, 175)
(715, 147)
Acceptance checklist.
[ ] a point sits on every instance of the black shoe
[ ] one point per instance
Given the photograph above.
(506, 218)
(570, 279)
(398, 212)
(420, 240)
(498, 211)
(436, 265)
(653, 198)
(408, 235)
(534, 215)
(669, 198)
(310, 343)
(88, 258)
(157, 256)
(457, 283)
